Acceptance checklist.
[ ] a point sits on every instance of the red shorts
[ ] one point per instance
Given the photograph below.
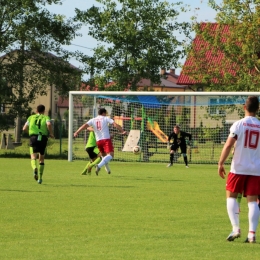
(248, 185)
(105, 146)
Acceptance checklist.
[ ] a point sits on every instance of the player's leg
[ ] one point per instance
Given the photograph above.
(89, 150)
(171, 158)
(184, 154)
(98, 160)
(106, 158)
(94, 155)
(41, 167)
(173, 149)
(84, 172)
(94, 162)
(252, 187)
(43, 145)
(185, 158)
(239, 198)
(107, 168)
(34, 163)
(33, 153)
(233, 214)
(253, 218)
(234, 185)
(107, 151)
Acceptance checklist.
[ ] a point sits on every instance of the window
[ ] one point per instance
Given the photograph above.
(216, 106)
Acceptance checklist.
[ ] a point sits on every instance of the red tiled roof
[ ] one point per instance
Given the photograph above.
(205, 57)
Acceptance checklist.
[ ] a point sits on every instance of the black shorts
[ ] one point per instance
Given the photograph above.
(91, 152)
(38, 146)
(175, 147)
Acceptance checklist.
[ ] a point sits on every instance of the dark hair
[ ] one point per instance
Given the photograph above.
(101, 111)
(41, 108)
(176, 126)
(252, 104)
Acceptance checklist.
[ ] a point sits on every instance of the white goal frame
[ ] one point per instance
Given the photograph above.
(141, 93)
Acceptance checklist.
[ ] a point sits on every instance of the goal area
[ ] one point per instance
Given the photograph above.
(149, 117)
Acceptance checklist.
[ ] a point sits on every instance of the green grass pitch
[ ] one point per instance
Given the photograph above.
(140, 211)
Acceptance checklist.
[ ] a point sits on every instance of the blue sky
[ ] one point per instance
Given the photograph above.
(85, 43)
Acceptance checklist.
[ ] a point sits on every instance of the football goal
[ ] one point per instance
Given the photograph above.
(149, 117)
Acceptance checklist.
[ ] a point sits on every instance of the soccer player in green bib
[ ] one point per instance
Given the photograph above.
(93, 152)
(39, 127)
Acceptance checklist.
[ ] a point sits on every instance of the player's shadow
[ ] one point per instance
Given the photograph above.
(147, 178)
(89, 186)
(21, 190)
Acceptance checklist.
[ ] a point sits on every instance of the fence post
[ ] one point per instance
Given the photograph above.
(3, 141)
(9, 143)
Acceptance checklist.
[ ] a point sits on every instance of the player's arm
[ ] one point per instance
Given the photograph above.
(49, 126)
(224, 155)
(90, 129)
(119, 128)
(169, 139)
(84, 126)
(190, 139)
(25, 127)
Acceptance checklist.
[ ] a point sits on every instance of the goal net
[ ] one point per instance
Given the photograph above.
(149, 117)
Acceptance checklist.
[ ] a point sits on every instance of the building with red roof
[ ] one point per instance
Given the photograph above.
(205, 59)
(167, 83)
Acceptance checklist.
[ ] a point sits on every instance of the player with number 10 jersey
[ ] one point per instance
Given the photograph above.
(246, 131)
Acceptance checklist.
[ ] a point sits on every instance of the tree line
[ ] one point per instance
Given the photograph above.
(135, 39)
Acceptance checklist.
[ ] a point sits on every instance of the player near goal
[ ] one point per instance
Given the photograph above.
(100, 125)
(179, 141)
(244, 175)
(93, 153)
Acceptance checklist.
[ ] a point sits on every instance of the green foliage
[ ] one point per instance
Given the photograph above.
(183, 119)
(140, 38)
(60, 129)
(237, 39)
(66, 115)
(29, 34)
(56, 130)
(212, 134)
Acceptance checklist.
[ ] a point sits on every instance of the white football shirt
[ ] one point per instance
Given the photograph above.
(101, 127)
(246, 159)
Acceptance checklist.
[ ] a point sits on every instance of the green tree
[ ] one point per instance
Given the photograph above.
(234, 42)
(136, 38)
(29, 35)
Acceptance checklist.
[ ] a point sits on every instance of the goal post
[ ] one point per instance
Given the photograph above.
(149, 117)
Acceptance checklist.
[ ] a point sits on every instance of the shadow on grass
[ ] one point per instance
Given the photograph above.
(147, 178)
(90, 186)
(22, 190)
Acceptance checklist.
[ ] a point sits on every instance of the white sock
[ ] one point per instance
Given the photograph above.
(233, 213)
(105, 160)
(253, 216)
